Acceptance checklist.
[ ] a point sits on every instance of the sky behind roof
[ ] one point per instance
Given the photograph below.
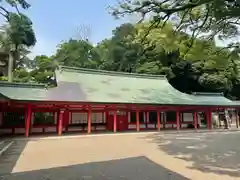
(58, 20)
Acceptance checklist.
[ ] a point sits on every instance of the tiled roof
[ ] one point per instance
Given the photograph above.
(97, 86)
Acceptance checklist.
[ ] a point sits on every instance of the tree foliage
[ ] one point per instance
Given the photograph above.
(16, 34)
(202, 18)
(202, 68)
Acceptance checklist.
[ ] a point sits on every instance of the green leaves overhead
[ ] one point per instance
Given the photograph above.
(201, 18)
(16, 34)
(20, 30)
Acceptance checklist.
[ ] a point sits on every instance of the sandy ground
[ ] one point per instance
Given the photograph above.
(128, 156)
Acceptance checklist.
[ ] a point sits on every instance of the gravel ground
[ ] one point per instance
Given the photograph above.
(145, 156)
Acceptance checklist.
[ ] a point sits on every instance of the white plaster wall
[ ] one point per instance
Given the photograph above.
(187, 117)
(36, 130)
(96, 117)
(133, 126)
(151, 125)
(50, 129)
(79, 118)
(19, 130)
(168, 125)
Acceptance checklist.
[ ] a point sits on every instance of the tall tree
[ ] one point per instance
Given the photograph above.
(119, 53)
(17, 33)
(77, 53)
(42, 69)
(203, 18)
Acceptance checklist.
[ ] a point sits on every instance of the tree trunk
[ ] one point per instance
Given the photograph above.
(10, 66)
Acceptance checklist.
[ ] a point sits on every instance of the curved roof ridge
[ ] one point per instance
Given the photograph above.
(104, 72)
(207, 94)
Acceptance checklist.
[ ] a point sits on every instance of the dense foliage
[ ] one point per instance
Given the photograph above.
(16, 36)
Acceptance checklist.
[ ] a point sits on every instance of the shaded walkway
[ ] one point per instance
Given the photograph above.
(217, 153)
(128, 156)
(9, 159)
(137, 168)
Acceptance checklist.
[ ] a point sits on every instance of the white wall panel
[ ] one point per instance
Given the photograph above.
(81, 117)
(187, 117)
(78, 117)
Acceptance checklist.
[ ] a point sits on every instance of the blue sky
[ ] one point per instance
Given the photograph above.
(58, 20)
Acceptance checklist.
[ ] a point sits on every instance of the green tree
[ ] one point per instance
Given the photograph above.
(119, 53)
(16, 33)
(77, 53)
(199, 68)
(43, 68)
(203, 18)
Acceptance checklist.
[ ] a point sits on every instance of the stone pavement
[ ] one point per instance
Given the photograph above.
(4, 145)
(136, 156)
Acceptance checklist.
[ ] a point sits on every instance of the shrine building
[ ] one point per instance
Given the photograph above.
(87, 100)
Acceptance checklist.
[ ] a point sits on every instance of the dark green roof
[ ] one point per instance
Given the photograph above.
(97, 86)
(22, 91)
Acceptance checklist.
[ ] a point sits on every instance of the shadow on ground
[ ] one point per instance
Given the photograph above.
(137, 168)
(214, 153)
(10, 157)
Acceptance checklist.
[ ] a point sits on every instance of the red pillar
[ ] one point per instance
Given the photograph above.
(178, 119)
(115, 120)
(137, 120)
(210, 118)
(66, 120)
(195, 119)
(147, 119)
(89, 120)
(28, 118)
(60, 122)
(158, 120)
